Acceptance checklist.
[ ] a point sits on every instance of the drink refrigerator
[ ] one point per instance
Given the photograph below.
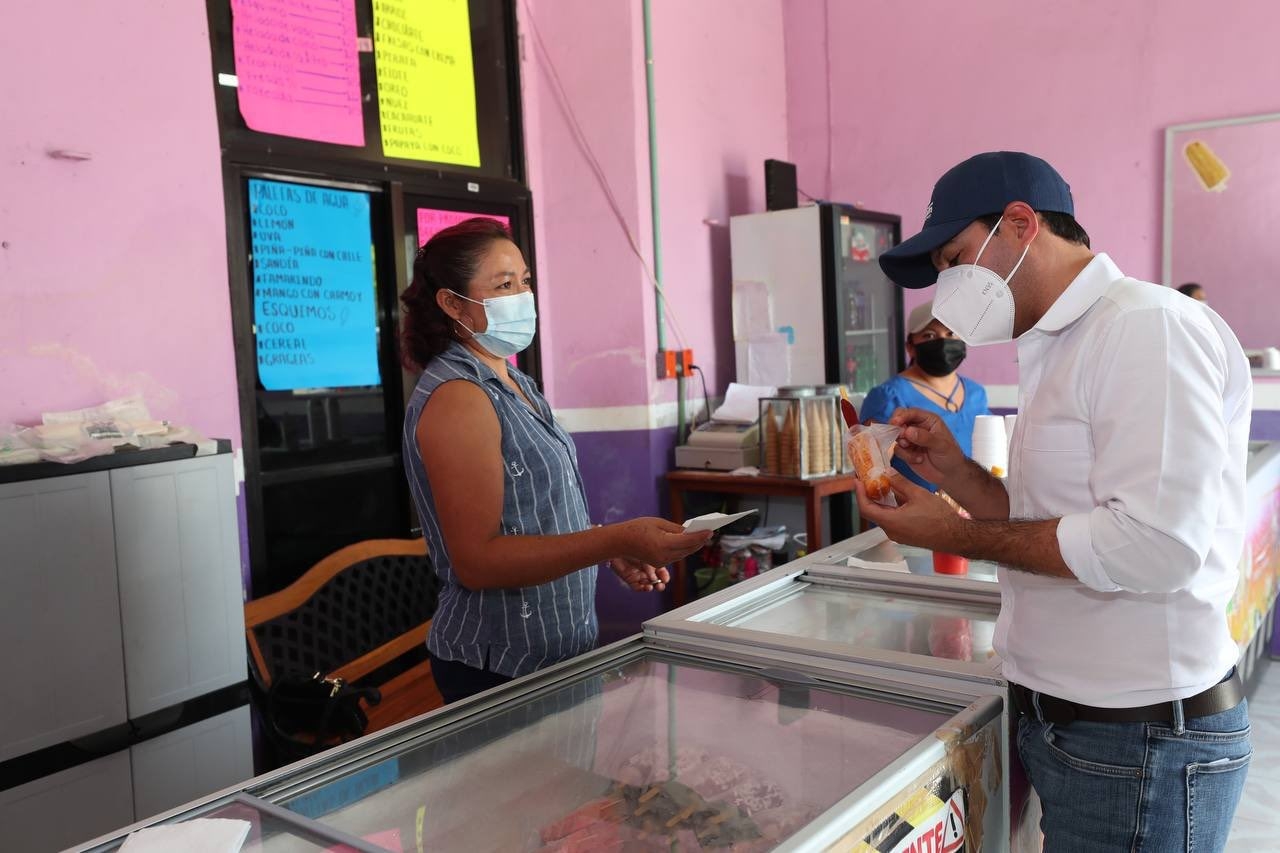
(811, 305)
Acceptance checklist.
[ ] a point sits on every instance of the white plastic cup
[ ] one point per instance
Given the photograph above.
(988, 425)
(1009, 422)
(990, 442)
(983, 633)
(989, 450)
(991, 461)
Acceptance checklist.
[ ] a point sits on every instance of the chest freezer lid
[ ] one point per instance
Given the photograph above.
(873, 560)
(519, 766)
(832, 615)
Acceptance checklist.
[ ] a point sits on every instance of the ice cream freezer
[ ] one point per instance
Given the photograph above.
(650, 744)
(1251, 613)
(859, 608)
(937, 629)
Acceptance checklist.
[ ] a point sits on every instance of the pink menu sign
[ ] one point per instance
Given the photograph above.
(432, 221)
(298, 69)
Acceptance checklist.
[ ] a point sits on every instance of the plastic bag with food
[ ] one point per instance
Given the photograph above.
(951, 637)
(870, 448)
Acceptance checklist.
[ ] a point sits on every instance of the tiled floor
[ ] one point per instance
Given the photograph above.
(1257, 824)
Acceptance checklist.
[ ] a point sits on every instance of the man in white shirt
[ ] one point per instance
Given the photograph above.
(1122, 524)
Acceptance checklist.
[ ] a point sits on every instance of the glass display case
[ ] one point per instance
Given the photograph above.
(647, 745)
(867, 305)
(871, 558)
(822, 606)
(800, 434)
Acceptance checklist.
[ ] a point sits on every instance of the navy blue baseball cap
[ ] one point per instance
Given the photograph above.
(979, 186)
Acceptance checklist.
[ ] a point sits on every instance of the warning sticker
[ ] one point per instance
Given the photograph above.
(944, 809)
(940, 832)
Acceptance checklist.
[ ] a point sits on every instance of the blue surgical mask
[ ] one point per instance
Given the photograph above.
(510, 322)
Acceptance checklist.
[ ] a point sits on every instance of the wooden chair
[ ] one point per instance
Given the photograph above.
(354, 615)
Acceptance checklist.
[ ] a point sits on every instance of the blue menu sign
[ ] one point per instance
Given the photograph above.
(314, 311)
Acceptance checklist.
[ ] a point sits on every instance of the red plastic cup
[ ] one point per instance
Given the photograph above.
(950, 564)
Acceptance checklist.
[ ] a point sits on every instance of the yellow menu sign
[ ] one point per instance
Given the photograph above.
(426, 85)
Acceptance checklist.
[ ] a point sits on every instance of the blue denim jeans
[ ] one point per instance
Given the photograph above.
(1137, 786)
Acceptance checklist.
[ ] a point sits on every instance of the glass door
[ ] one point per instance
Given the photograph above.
(866, 336)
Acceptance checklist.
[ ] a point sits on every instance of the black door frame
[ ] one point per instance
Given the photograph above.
(246, 154)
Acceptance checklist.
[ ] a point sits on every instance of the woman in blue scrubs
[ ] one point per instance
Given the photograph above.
(930, 382)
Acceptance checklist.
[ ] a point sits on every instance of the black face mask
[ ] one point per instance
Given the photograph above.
(940, 356)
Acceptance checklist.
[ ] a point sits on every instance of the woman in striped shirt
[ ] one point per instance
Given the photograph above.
(495, 479)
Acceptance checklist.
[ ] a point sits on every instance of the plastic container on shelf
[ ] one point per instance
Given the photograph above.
(991, 444)
(841, 463)
(800, 433)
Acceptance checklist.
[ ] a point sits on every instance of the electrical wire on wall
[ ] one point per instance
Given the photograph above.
(580, 138)
(706, 398)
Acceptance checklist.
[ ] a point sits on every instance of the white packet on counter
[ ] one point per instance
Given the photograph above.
(15, 449)
(202, 835)
(870, 449)
(127, 409)
(80, 434)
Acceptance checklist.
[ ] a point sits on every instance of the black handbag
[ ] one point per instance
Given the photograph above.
(309, 715)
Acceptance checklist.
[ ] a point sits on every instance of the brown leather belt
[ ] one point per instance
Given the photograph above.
(1222, 696)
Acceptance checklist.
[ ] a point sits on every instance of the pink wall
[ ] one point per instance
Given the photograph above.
(145, 276)
(721, 102)
(136, 96)
(721, 99)
(1226, 240)
(112, 271)
(915, 88)
(596, 313)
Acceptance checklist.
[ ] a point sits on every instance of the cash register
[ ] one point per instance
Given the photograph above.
(731, 439)
(719, 446)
